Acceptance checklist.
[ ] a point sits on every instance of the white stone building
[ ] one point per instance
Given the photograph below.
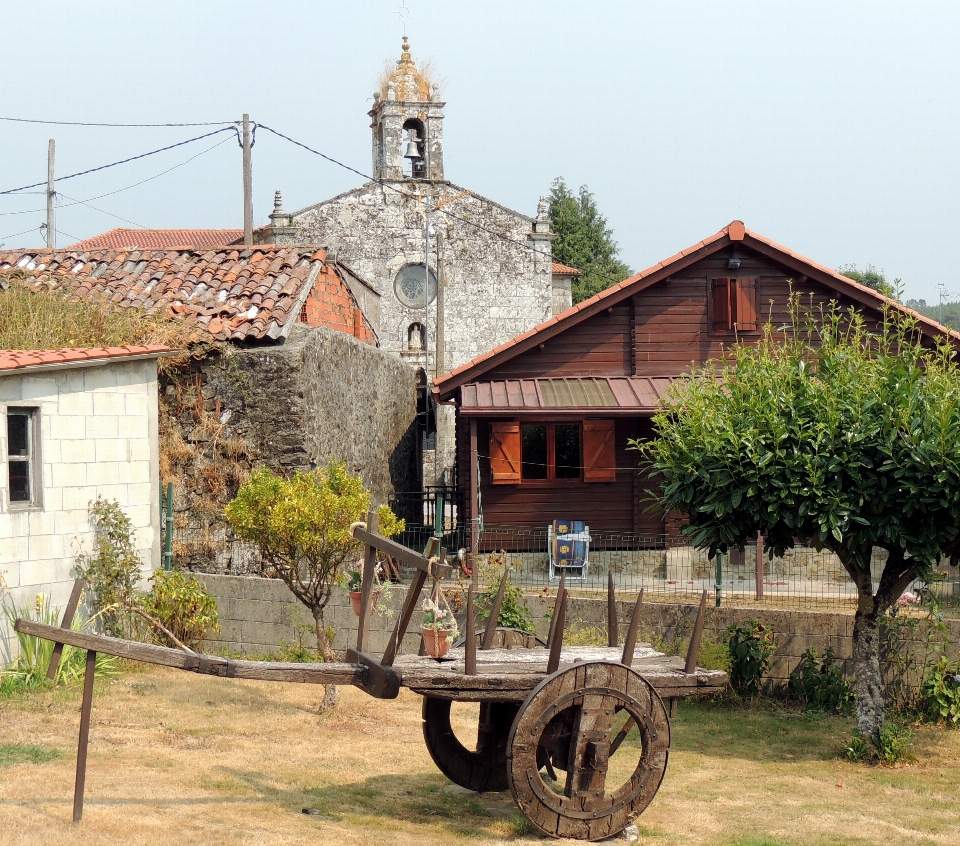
(491, 275)
(74, 425)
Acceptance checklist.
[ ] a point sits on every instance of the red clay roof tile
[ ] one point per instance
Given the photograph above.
(154, 239)
(19, 359)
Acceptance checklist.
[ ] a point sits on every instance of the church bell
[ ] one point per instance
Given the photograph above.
(413, 148)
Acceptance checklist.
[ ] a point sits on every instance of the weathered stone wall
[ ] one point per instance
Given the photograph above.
(320, 396)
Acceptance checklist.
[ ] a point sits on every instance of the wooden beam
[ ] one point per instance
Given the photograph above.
(556, 644)
(401, 553)
(413, 595)
(334, 673)
(366, 585)
(556, 607)
(85, 707)
(72, 604)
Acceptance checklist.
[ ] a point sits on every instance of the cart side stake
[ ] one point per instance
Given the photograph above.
(65, 623)
(612, 633)
(630, 644)
(556, 605)
(491, 630)
(694, 651)
(366, 585)
(553, 664)
(470, 646)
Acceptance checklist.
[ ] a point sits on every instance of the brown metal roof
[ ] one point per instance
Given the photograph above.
(613, 396)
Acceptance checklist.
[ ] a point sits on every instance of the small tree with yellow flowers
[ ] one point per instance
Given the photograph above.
(302, 527)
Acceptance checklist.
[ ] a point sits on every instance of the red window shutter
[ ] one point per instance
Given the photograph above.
(720, 300)
(505, 453)
(599, 451)
(746, 313)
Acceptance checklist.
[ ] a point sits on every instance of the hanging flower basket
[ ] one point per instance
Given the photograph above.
(437, 641)
(355, 600)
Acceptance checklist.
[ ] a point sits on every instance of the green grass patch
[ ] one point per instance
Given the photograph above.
(26, 753)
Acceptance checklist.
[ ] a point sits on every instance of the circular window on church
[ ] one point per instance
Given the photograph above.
(410, 286)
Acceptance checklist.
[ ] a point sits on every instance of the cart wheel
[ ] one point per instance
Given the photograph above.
(575, 720)
(483, 770)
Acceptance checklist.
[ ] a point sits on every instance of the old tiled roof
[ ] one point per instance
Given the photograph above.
(735, 231)
(158, 239)
(234, 294)
(565, 270)
(30, 359)
(517, 396)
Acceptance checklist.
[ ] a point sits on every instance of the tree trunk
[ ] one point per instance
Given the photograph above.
(331, 696)
(866, 667)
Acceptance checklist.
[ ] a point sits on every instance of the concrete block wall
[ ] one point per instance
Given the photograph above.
(97, 437)
(258, 615)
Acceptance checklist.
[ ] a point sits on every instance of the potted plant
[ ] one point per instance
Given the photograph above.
(382, 593)
(439, 628)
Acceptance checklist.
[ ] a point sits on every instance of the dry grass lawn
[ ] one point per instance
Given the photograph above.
(186, 759)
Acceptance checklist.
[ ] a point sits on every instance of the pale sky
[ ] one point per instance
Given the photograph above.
(830, 127)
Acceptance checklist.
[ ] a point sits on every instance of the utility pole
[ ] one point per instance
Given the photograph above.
(247, 186)
(51, 228)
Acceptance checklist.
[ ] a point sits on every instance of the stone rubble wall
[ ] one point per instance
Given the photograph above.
(321, 396)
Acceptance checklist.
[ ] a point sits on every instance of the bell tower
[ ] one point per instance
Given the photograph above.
(407, 124)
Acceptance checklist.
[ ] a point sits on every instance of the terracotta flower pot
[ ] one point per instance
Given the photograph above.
(437, 641)
(355, 600)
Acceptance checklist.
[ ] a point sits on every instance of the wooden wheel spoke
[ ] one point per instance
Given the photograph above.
(568, 721)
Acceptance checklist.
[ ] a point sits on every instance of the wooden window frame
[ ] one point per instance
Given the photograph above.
(32, 459)
(741, 307)
(506, 452)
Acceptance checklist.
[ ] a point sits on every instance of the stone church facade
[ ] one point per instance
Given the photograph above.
(490, 268)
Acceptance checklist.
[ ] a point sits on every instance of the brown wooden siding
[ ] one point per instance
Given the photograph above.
(604, 506)
(600, 346)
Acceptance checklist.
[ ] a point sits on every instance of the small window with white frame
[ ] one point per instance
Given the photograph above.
(22, 456)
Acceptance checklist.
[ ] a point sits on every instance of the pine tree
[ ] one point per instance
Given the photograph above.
(584, 241)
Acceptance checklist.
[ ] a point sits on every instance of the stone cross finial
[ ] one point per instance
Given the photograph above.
(277, 202)
(405, 58)
(542, 208)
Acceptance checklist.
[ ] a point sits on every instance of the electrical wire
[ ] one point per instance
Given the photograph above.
(119, 190)
(124, 161)
(77, 202)
(125, 125)
(15, 234)
(439, 209)
(61, 232)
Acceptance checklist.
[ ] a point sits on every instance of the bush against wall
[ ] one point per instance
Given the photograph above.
(176, 611)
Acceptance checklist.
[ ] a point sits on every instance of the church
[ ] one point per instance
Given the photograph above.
(457, 273)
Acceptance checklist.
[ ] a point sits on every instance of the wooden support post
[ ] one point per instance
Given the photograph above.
(630, 644)
(366, 585)
(673, 706)
(470, 645)
(85, 707)
(51, 194)
(247, 185)
(759, 568)
(491, 631)
(474, 495)
(556, 607)
(72, 604)
(556, 644)
(612, 633)
(413, 594)
(694, 651)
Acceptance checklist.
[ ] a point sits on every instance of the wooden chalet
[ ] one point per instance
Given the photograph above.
(543, 420)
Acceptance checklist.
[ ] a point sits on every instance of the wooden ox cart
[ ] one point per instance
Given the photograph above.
(542, 710)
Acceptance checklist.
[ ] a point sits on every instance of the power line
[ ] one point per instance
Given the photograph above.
(440, 209)
(124, 161)
(123, 125)
(119, 190)
(25, 231)
(102, 211)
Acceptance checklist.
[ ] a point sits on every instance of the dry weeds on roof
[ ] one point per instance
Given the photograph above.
(38, 318)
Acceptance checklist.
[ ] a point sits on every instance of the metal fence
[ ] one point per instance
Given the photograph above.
(668, 567)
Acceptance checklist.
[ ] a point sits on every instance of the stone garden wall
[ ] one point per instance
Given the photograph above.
(321, 395)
